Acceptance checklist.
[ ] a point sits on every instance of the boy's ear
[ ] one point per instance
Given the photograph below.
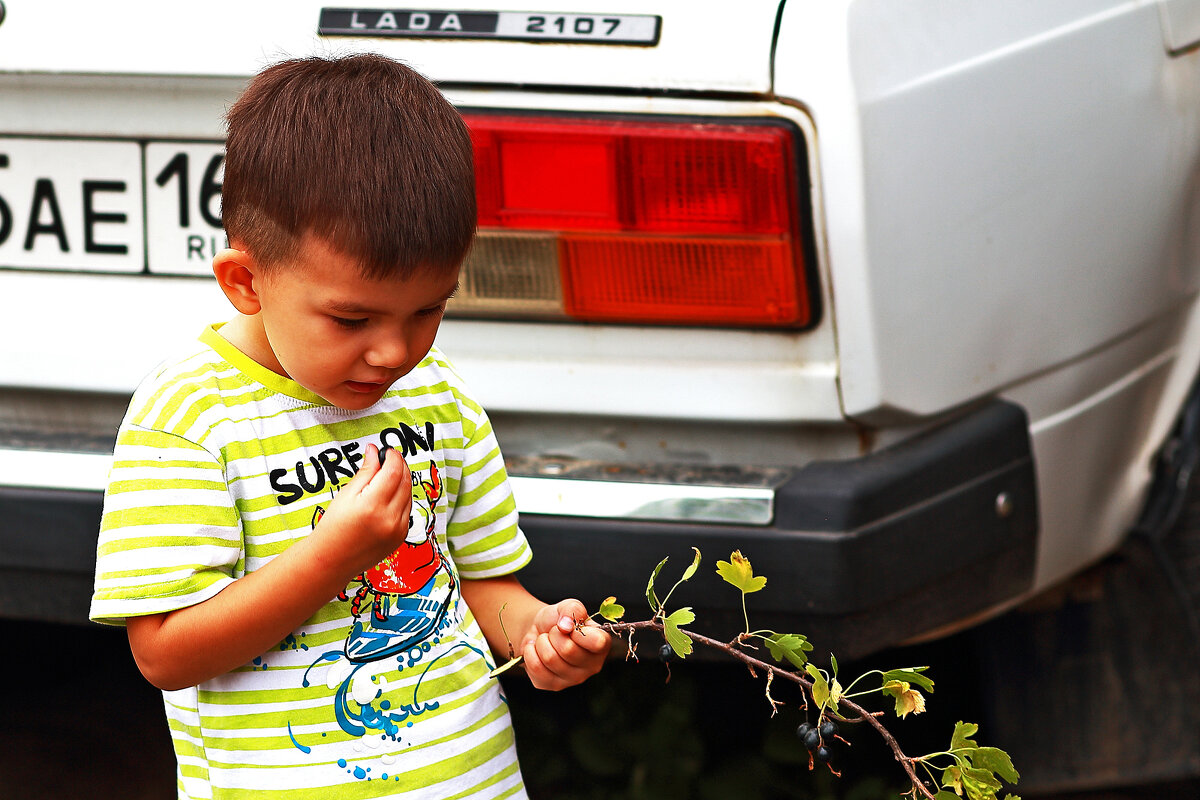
(236, 271)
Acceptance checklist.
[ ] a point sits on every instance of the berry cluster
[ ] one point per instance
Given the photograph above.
(819, 739)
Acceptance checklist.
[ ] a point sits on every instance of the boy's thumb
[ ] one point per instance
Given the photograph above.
(571, 612)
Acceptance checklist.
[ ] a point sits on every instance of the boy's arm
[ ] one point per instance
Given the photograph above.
(365, 522)
(558, 652)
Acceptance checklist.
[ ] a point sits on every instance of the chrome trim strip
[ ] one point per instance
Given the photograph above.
(664, 502)
(45, 469)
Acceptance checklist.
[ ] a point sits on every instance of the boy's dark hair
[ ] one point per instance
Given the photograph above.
(361, 152)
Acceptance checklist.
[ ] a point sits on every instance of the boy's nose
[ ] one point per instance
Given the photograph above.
(389, 353)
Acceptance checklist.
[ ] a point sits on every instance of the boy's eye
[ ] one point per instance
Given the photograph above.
(349, 324)
(432, 311)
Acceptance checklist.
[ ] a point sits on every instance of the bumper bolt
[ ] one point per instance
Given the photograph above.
(1004, 505)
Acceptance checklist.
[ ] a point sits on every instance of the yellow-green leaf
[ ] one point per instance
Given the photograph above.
(790, 646)
(962, 733)
(691, 570)
(908, 699)
(651, 597)
(910, 675)
(738, 572)
(995, 760)
(952, 779)
(611, 610)
(679, 641)
(820, 687)
(506, 666)
(984, 781)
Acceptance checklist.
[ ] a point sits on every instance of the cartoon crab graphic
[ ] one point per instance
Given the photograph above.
(413, 563)
(408, 602)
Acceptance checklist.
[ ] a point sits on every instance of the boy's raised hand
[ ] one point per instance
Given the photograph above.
(369, 516)
(564, 646)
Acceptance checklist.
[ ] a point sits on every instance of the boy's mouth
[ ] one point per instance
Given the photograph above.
(365, 387)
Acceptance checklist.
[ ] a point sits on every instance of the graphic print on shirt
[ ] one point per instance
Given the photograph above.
(410, 590)
(406, 617)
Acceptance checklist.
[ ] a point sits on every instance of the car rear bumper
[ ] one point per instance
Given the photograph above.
(859, 554)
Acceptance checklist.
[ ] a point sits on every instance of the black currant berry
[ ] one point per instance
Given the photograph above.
(665, 653)
(803, 730)
(812, 739)
(829, 729)
(823, 755)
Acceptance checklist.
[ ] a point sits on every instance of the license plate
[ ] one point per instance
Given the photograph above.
(110, 205)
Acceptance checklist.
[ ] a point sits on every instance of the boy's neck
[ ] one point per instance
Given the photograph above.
(247, 335)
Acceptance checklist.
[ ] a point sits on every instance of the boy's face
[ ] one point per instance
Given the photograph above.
(340, 335)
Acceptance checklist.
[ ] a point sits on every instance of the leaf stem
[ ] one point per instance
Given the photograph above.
(846, 691)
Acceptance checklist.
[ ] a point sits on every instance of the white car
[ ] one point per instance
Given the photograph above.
(897, 297)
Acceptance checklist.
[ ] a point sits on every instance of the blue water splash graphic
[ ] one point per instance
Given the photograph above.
(379, 714)
(302, 748)
(292, 643)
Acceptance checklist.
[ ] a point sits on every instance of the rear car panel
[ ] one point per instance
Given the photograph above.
(995, 211)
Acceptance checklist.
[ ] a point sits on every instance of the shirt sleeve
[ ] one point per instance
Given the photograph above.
(170, 536)
(484, 538)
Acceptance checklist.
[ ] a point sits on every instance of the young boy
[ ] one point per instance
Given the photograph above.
(308, 529)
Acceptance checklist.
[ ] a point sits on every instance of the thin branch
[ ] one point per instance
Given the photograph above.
(619, 629)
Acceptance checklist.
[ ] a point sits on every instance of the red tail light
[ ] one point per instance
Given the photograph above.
(639, 221)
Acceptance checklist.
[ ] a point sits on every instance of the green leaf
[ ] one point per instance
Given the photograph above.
(789, 646)
(962, 731)
(680, 642)
(611, 610)
(690, 571)
(738, 572)
(651, 597)
(995, 760)
(820, 687)
(945, 796)
(910, 675)
(833, 662)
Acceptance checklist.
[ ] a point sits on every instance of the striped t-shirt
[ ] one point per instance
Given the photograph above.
(220, 465)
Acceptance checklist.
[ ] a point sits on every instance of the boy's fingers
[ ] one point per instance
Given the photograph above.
(545, 665)
(571, 613)
(390, 477)
(369, 467)
(546, 619)
(550, 668)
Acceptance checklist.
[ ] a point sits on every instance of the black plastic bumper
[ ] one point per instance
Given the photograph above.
(47, 553)
(862, 554)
